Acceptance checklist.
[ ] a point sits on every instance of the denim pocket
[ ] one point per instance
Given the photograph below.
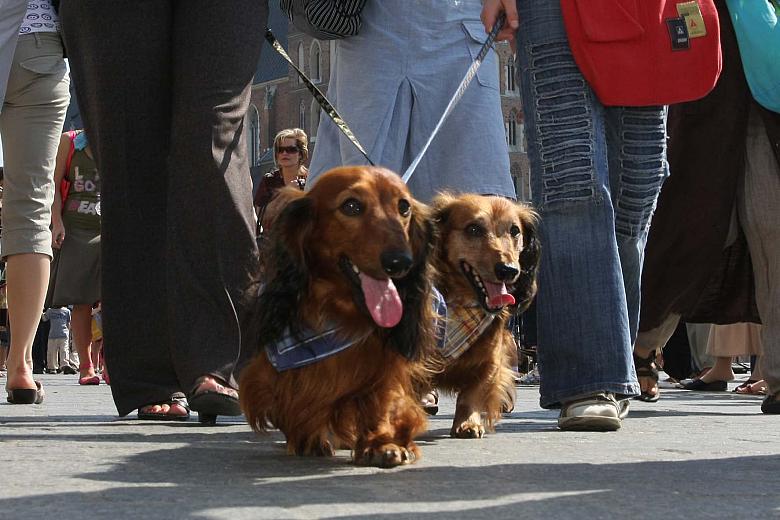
(54, 64)
(487, 75)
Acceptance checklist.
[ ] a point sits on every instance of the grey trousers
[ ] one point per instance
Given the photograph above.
(164, 87)
(758, 204)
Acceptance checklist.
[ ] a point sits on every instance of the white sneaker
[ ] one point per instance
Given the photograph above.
(599, 412)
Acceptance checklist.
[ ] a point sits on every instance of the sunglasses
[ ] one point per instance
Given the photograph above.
(287, 149)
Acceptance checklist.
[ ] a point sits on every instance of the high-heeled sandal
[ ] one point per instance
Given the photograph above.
(211, 403)
(88, 380)
(646, 367)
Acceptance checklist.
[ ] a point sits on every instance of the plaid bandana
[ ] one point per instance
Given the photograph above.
(463, 330)
(311, 346)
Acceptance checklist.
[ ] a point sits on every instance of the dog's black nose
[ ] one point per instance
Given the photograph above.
(396, 262)
(505, 272)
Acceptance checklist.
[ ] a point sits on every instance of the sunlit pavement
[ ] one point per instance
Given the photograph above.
(690, 455)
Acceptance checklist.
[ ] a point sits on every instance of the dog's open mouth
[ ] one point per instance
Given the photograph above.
(379, 296)
(493, 296)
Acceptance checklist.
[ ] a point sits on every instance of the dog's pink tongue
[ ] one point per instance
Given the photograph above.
(497, 295)
(382, 301)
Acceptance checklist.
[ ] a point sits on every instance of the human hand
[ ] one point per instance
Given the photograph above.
(490, 11)
(57, 233)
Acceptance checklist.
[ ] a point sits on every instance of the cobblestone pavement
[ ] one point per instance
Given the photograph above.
(690, 455)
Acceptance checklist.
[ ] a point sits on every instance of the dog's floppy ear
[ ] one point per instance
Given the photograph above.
(286, 272)
(525, 287)
(416, 325)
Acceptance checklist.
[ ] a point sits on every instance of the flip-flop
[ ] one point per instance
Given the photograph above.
(178, 399)
(27, 395)
(752, 388)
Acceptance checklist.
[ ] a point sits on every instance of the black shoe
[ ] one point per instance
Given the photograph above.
(67, 369)
(771, 404)
(700, 386)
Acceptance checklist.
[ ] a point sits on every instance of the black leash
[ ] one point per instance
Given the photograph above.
(339, 121)
(329, 109)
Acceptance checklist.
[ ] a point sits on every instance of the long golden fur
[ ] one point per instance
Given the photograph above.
(484, 240)
(363, 397)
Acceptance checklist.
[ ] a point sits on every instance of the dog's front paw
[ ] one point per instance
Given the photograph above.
(324, 449)
(468, 430)
(386, 456)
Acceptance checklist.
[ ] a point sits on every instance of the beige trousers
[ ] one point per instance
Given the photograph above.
(36, 99)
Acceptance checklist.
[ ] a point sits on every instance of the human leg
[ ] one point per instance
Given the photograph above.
(52, 356)
(30, 122)
(210, 193)
(120, 57)
(584, 333)
(81, 328)
(759, 212)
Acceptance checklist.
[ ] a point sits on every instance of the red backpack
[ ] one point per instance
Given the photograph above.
(645, 52)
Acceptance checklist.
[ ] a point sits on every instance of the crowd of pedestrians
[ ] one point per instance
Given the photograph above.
(117, 231)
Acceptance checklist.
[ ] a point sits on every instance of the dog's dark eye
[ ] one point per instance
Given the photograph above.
(475, 230)
(404, 207)
(514, 231)
(352, 207)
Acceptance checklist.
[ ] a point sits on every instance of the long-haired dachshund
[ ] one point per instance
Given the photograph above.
(487, 259)
(344, 319)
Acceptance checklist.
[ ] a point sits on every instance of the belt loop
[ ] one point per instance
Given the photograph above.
(37, 37)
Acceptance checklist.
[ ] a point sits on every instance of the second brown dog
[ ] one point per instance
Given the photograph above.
(487, 258)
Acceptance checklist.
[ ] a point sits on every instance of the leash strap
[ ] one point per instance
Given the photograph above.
(464, 83)
(329, 109)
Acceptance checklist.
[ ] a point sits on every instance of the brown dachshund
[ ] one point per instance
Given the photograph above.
(487, 259)
(344, 320)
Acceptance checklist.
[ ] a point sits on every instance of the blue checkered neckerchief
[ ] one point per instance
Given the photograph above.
(309, 346)
(463, 330)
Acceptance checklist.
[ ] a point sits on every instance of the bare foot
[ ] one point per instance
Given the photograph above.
(19, 378)
(211, 384)
(165, 409)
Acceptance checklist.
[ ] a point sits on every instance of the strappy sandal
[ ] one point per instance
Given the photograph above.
(176, 399)
(209, 403)
(431, 408)
(646, 367)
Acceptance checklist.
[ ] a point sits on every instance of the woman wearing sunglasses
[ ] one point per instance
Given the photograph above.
(291, 150)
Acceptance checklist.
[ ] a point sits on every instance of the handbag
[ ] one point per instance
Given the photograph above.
(758, 36)
(325, 19)
(645, 52)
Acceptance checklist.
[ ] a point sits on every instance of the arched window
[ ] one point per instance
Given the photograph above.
(510, 85)
(315, 120)
(302, 117)
(315, 62)
(511, 130)
(301, 63)
(253, 136)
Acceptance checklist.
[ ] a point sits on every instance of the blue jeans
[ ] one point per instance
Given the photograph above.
(595, 176)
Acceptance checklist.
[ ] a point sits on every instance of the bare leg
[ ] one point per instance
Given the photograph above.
(28, 278)
(81, 327)
(720, 371)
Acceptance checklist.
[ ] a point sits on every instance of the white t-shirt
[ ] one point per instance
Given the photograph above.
(40, 17)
